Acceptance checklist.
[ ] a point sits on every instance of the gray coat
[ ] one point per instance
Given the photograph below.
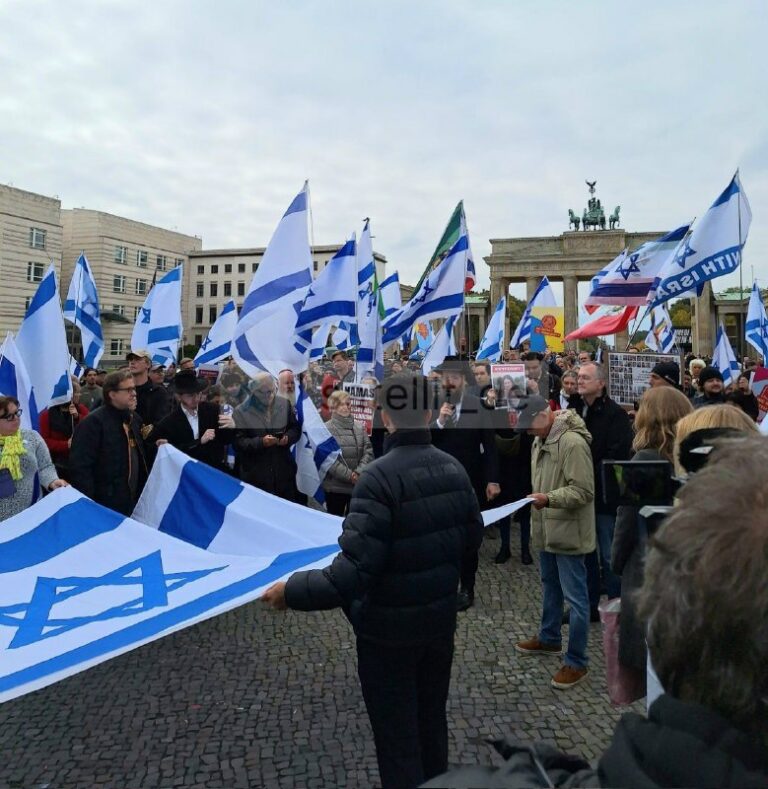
(36, 461)
(356, 453)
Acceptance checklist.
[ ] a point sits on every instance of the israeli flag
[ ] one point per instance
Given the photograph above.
(442, 346)
(493, 340)
(158, 326)
(724, 359)
(332, 297)
(265, 336)
(75, 368)
(15, 382)
(713, 249)
(80, 584)
(441, 294)
(628, 278)
(756, 327)
(661, 337)
(370, 353)
(316, 451)
(218, 344)
(82, 309)
(346, 336)
(389, 293)
(42, 343)
(543, 297)
(319, 341)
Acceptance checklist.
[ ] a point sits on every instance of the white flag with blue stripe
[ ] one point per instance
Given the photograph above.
(265, 337)
(218, 344)
(15, 382)
(82, 309)
(80, 584)
(713, 248)
(441, 294)
(332, 297)
(345, 336)
(389, 293)
(319, 341)
(370, 353)
(42, 343)
(661, 337)
(756, 327)
(543, 296)
(75, 368)
(493, 340)
(158, 326)
(442, 346)
(724, 359)
(316, 451)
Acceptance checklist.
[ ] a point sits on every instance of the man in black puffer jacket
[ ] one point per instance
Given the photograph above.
(413, 517)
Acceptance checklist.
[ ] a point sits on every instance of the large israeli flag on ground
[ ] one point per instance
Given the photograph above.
(265, 337)
(756, 327)
(332, 297)
(724, 359)
(441, 347)
(661, 337)
(80, 584)
(316, 451)
(493, 340)
(370, 353)
(158, 326)
(441, 294)
(627, 279)
(42, 343)
(15, 382)
(543, 296)
(713, 248)
(218, 344)
(82, 308)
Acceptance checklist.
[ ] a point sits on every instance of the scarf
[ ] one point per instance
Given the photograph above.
(13, 449)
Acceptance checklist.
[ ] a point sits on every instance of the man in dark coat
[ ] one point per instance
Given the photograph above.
(153, 401)
(412, 517)
(193, 426)
(108, 460)
(267, 429)
(464, 428)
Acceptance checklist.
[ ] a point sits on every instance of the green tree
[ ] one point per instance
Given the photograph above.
(680, 313)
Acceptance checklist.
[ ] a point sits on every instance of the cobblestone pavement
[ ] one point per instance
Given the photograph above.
(259, 698)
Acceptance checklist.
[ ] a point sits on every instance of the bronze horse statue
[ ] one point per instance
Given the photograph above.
(573, 220)
(613, 219)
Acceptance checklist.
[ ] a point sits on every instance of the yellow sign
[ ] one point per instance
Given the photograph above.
(548, 329)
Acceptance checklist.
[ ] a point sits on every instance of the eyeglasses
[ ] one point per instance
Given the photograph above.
(126, 389)
(15, 415)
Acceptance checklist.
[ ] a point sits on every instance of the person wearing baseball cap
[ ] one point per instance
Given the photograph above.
(665, 374)
(153, 403)
(711, 388)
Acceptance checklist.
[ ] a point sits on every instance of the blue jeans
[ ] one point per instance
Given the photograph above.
(605, 524)
(565, 576)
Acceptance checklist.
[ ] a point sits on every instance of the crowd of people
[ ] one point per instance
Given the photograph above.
(411, 488)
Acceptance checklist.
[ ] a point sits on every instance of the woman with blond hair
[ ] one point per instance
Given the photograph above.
(356, 453)
(661, 409)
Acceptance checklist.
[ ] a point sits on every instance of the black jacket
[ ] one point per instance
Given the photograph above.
(153, 403)
(472, 442)
(100, 458)
(611, 431)
(176, 430)
(412, 517)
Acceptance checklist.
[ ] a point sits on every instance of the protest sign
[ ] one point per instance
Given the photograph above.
(508, 382)
(211, 372)
(547, 329)
(628, 374)
(759, 386)
(362, 401)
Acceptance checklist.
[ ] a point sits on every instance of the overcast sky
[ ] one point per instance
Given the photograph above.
(208, 116)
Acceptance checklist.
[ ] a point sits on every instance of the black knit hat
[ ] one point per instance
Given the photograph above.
(707, 374)
(669, 371)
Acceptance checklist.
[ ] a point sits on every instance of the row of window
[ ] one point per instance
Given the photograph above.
(118, 285)
(213, 289)
(227, 268)
(213, 313)
(142, 258)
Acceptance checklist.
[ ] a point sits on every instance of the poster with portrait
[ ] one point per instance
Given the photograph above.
(362, 401)
(548, 329)
(628, 374)
(759, 387)
(508, 382)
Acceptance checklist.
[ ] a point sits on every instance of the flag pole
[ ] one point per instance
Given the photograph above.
(637, 327)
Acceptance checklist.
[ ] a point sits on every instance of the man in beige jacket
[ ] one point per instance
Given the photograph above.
(562, 529)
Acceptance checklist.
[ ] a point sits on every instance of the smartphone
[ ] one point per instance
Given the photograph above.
(638, 483)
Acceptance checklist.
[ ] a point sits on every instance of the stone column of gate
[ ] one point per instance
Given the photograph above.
(702, 324)
(531, 283)
(571, 303)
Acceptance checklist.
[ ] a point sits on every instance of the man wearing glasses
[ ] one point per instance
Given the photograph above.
(108, 459)
(267, 429)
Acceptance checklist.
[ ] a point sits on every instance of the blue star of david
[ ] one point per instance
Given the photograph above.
(32, 621)
(427, 290)
(632, 268)
(206, 343)
(684, 254)
(145, 314)
(361, 294)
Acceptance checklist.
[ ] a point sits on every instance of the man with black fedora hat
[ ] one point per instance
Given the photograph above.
(193, 425)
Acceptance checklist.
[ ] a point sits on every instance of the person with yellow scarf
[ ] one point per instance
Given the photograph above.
(25, 463)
